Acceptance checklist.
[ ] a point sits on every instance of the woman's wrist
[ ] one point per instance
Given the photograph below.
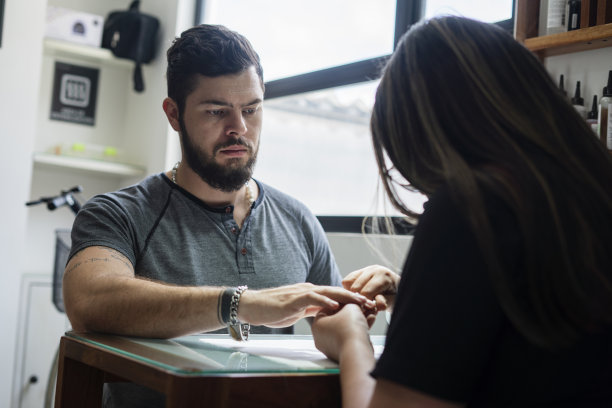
(356, 362)
(357, 346)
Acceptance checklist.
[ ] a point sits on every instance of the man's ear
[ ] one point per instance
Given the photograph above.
(172, 113)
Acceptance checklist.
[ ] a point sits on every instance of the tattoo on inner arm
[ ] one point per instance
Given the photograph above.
(113, 255)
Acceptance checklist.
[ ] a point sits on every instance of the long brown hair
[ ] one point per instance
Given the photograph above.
(462, 104)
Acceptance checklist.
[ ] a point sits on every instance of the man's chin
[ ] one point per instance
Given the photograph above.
(233, 162)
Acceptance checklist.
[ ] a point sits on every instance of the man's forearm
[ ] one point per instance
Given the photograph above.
(102, 294)
(137, 307)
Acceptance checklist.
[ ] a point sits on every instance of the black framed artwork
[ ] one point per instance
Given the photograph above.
(1, 19)
(75, 89)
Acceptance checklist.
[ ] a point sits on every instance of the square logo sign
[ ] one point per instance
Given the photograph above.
(74, 94)
(75, 90)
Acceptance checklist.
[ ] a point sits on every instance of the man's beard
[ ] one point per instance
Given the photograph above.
(228, 178)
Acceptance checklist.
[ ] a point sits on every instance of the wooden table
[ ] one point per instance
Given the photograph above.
(202, 370)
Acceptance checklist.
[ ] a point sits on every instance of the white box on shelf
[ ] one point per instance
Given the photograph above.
(74, 26)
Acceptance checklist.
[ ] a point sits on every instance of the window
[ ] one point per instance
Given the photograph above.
(293, 38)
(317, 146)
(490, 11)
(322, 61)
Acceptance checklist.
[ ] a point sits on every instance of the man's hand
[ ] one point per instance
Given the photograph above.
(374, 282)
(285, 305)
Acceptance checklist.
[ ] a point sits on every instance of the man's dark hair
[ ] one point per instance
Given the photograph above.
(209, 50)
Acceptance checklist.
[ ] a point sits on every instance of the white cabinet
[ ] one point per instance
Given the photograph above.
(39, 332)
(132, 122)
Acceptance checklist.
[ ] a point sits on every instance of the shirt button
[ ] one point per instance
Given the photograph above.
(233, 230)
(228, 210)
(243, 251)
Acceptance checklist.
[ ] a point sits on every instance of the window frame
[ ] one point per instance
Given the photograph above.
(407, 13)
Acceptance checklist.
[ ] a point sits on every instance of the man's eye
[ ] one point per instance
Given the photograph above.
(216, 112)
(250, 111)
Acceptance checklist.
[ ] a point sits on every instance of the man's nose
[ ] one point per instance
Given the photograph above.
(236, 124)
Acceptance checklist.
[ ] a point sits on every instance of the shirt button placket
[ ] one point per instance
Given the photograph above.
(243, 253)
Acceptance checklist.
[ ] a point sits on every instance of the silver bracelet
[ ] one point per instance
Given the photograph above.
(239, 331)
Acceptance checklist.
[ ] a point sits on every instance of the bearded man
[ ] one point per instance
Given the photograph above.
(203, 246)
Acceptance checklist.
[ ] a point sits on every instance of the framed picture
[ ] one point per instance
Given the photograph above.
(1, 19)
(75, 89)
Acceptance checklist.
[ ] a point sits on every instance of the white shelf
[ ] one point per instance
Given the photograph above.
(88, 165)
(84, 52)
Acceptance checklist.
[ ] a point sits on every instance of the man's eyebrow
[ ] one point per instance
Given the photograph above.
(224, 103)
(253, 102)
(215, 102)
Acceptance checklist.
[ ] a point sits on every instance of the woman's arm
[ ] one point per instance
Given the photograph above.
(344, 337)
(388, 394)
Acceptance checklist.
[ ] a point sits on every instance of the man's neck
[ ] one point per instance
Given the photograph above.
(213, 197)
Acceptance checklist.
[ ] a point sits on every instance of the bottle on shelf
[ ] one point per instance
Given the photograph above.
(562, 85)
(605, 131)
(592, 116)
(573, 14)
(578, 101)
(553, 18)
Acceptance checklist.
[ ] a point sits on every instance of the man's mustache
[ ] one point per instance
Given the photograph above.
(234, 142)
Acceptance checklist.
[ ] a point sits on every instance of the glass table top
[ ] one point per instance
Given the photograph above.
(218, 354)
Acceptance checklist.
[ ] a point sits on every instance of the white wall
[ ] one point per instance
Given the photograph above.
(20, 57)
(589, 67)
(133, 122)
(26, 235)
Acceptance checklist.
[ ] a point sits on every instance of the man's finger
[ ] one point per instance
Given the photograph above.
(361, 281)
(344, 296)
(377, 286)
(381, 302)
(371, 319)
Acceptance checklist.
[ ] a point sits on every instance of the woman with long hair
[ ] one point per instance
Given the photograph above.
(505, 298)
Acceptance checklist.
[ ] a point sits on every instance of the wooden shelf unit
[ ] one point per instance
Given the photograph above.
(589, 38)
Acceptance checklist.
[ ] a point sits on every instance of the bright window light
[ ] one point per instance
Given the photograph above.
(317, 148)
(297, 37)
(489, 11)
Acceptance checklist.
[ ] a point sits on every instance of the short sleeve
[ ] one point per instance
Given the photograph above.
(103, 222)
(324, 270)
(446, 316)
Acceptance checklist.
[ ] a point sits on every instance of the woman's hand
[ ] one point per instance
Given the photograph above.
(374, 282)
(333, 331)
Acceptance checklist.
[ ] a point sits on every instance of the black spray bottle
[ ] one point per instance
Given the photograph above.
(592, 116)
(578, 102)
(605, 131)
(562, 86)
(573, 14)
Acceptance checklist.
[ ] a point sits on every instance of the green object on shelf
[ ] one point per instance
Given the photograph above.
(110, 151)
(78, 147)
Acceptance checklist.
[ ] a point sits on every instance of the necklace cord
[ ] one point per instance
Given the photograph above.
(248, 193)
